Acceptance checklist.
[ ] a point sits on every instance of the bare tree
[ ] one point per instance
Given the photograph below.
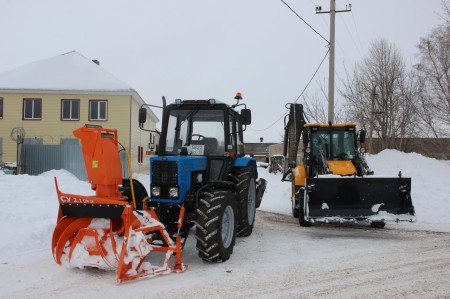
(433, 77)
(379, 97)
(316, 106)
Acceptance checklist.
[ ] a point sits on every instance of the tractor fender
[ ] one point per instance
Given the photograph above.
(245, 162)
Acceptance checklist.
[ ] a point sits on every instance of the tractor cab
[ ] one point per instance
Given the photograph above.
(202, 128)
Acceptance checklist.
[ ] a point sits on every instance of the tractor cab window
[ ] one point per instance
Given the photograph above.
(200, 131)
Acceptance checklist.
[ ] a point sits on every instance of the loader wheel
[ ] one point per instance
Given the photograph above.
(216, 225)
(246, 188)
(301, 215)
(377, 224)
(295, 205)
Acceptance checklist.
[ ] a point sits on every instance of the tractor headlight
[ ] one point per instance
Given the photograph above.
(156, 191)
(173, 192)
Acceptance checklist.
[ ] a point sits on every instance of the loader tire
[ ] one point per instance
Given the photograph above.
(377, 224)
(295, 204)
(244, 179)
(216, 225)
(301, 215)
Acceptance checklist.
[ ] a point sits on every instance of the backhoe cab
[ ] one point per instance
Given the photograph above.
(331, 180)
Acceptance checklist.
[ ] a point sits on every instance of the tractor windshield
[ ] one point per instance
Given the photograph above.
(200, 131)
(341, 145)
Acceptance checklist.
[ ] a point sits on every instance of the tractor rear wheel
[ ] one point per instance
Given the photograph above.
(216, 225)
(244, 179)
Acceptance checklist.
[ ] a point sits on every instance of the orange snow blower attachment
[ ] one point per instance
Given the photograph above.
(104, 231)
(100, 152)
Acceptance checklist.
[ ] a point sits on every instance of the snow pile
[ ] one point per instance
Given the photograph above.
(430, 187)
(29, 203)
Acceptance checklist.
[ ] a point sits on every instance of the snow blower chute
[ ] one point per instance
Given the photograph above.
(106, 230)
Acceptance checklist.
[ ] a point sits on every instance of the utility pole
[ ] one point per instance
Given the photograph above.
(372, 115)
(332, 13)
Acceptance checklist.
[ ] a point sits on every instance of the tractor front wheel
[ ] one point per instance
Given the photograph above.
(244, 179)
(216, 225)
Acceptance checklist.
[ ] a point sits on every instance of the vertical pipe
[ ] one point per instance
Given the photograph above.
(331, 65)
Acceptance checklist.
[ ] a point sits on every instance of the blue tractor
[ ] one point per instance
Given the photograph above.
(200, 164)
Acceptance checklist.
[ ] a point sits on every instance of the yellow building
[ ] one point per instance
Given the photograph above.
(48, 99)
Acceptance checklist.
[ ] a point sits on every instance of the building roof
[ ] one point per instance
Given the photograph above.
(68, 72)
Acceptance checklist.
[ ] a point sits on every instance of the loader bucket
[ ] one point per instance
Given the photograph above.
(373, 198)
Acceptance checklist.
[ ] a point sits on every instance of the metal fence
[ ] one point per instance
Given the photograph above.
(39, 158)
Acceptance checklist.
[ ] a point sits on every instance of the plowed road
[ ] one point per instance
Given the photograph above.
(279, 260)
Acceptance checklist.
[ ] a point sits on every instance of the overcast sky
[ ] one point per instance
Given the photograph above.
(212, 49)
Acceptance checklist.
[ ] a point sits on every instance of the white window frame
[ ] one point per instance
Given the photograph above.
(33, 116)
(99, 106)
(71, 101)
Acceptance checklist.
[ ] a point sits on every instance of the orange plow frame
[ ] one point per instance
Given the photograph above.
(135, 230)
(104, 231)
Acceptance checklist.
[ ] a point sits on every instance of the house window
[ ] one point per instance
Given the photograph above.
(1, 107)
(98, 110)
(32, 108)
(70, 109)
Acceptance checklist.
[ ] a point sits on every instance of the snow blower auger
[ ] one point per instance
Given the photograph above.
(105, 231)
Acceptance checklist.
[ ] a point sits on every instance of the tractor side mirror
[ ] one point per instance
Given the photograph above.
(142, 115)
(246, 115)
(362, 136)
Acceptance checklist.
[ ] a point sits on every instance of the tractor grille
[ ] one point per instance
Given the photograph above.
(165, 172)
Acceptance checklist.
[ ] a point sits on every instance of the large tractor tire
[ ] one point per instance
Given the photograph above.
(244, 179)
(216, 225)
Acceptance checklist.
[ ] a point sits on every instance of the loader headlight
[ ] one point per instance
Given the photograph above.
(156, 191)
(173, 192)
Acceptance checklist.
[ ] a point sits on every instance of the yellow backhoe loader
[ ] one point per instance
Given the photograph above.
(331, 180)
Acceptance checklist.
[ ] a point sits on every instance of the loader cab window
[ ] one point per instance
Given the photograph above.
(343, 144)
(200, 131)
(320, 144)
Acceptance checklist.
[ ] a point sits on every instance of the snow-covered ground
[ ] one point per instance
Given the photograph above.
(272, 262)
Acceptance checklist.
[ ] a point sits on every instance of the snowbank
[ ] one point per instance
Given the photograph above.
(29, 203)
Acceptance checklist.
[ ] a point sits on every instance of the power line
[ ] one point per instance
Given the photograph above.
(305, 22)
(303, 91)
(315, 73)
